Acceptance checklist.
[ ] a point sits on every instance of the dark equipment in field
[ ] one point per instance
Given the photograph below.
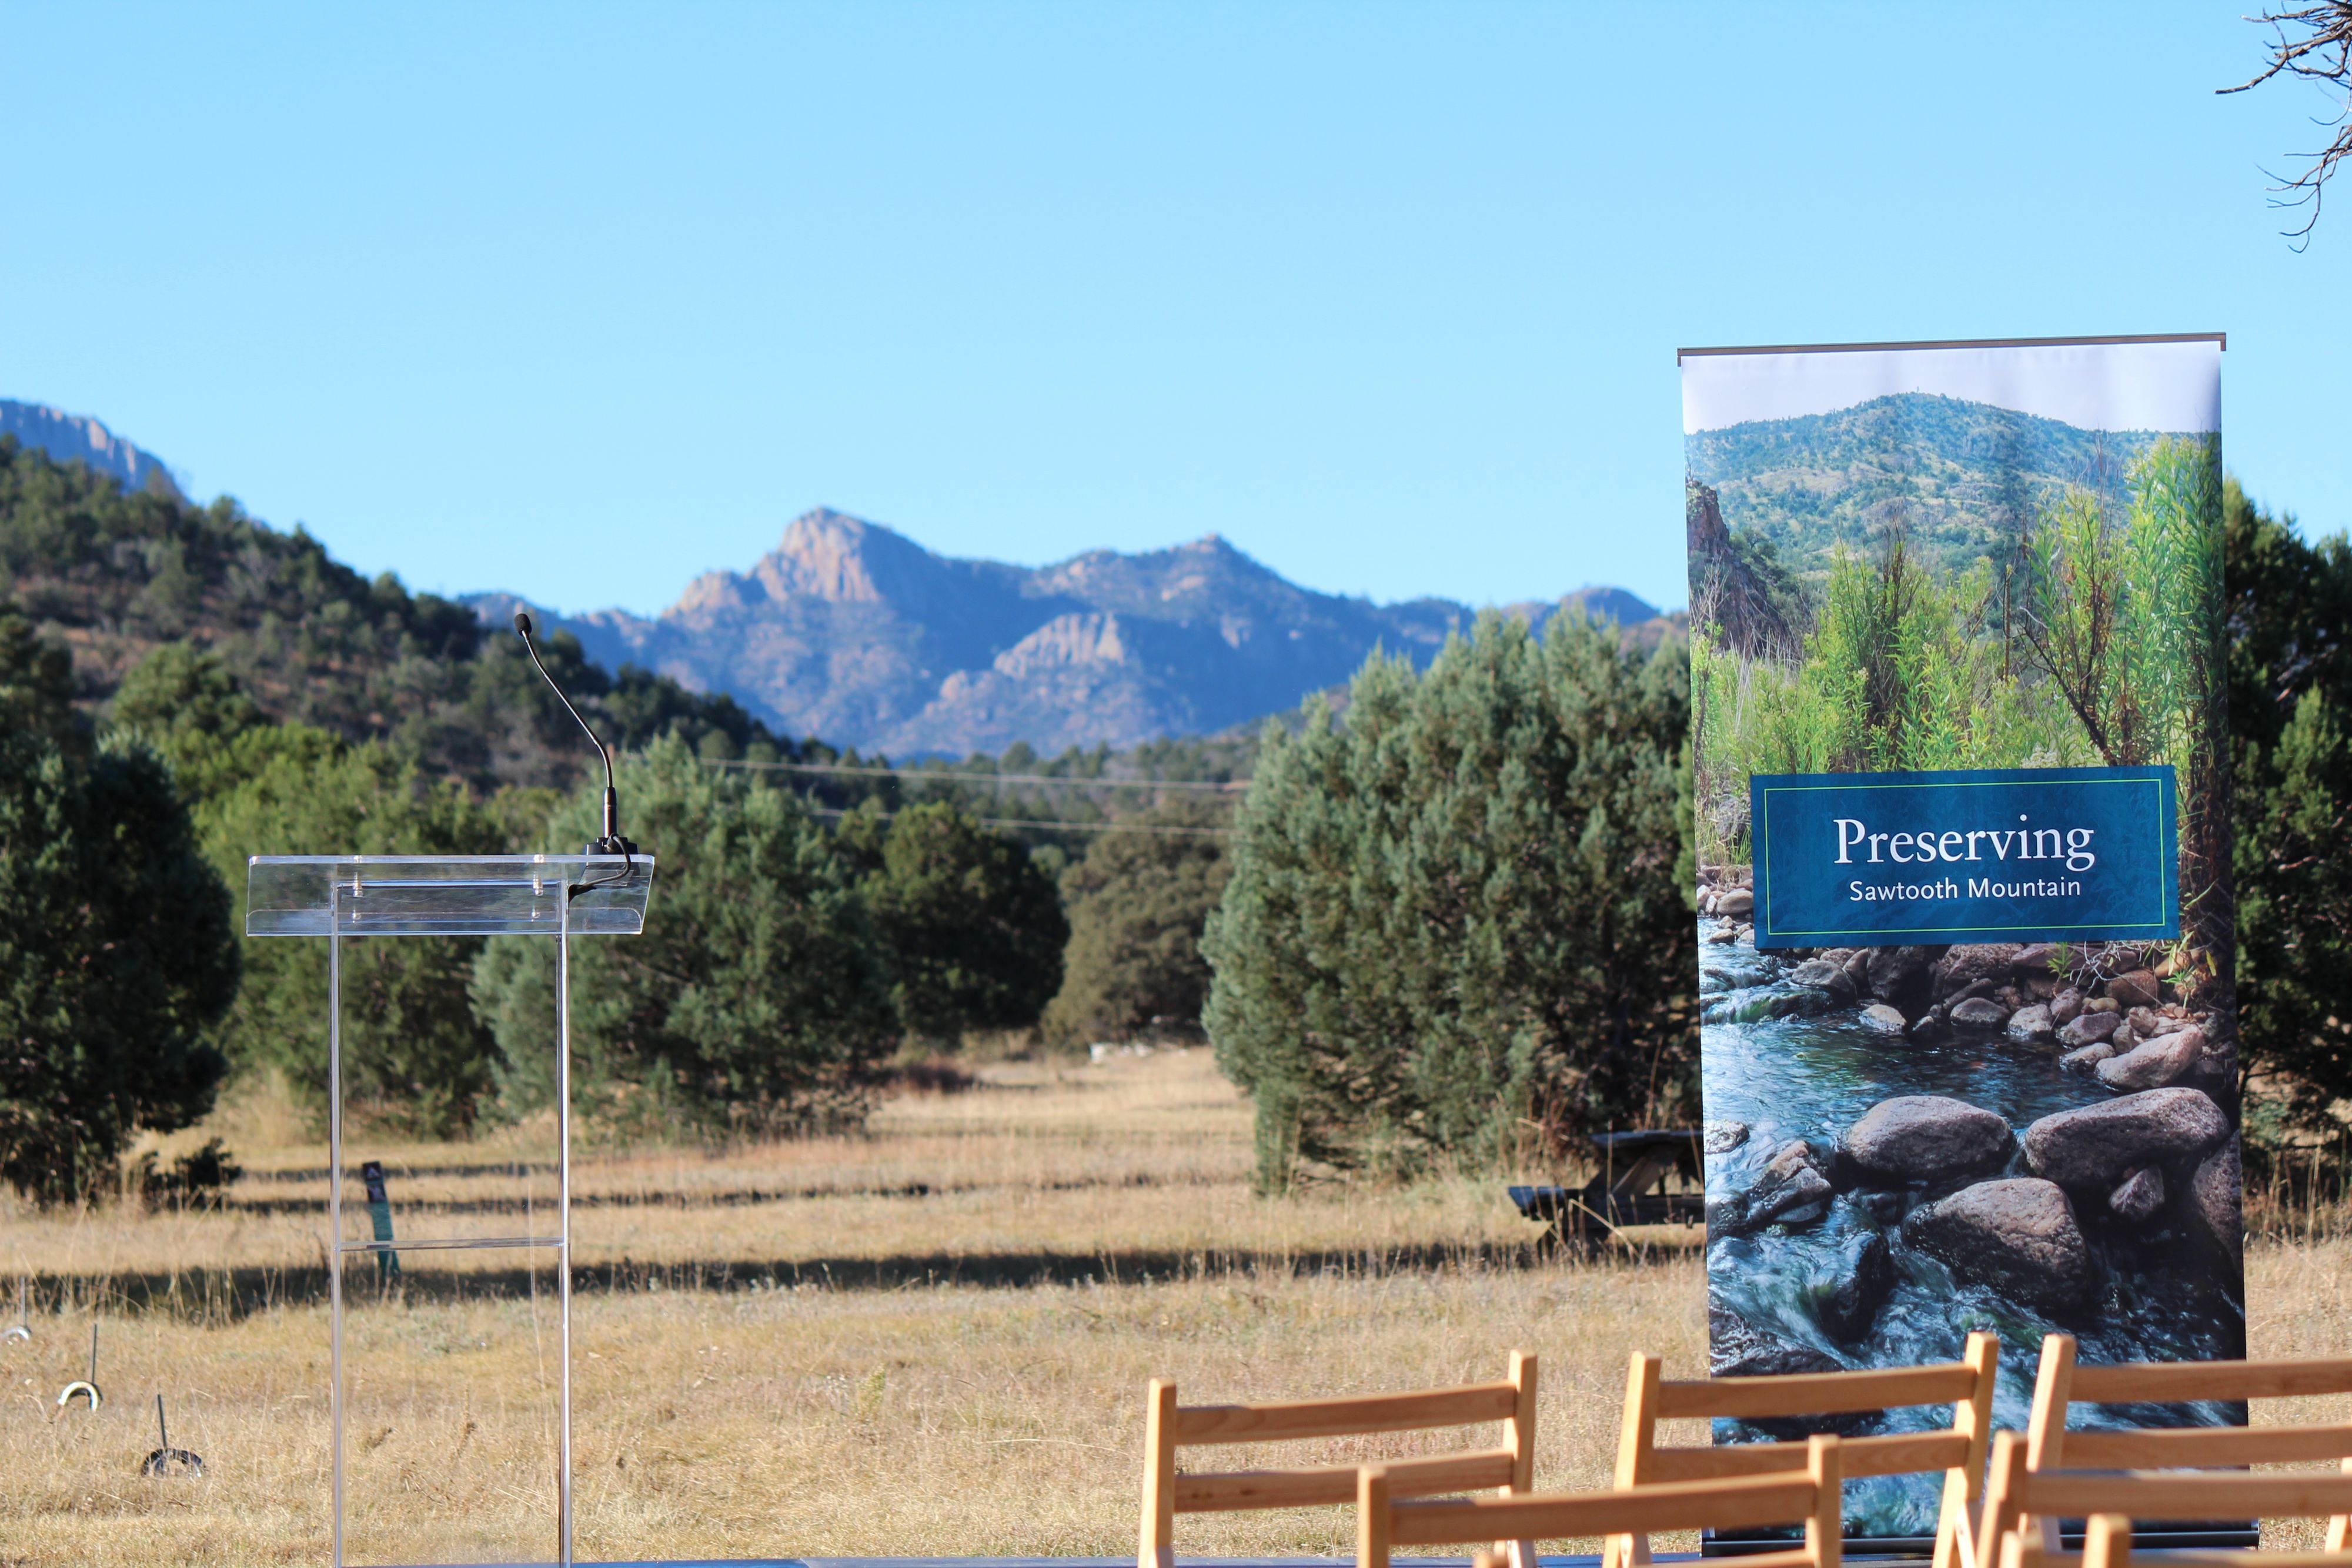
(387, 1261)
(167, 1460)
(1628, 1189)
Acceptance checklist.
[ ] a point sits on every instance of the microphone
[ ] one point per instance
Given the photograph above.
(611, 843)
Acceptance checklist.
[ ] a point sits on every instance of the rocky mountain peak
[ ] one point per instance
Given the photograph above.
(851, 631)
(77, 438)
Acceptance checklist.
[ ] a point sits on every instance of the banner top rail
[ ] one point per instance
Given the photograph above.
(2220, 338)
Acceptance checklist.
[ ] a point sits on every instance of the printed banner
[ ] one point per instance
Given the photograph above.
(1968, 1042)
(1881, 859)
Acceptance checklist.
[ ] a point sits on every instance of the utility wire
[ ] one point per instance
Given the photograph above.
(941, 775)
(1159, 828)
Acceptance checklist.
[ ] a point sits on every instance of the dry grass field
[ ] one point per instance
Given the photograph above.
(931, 1340)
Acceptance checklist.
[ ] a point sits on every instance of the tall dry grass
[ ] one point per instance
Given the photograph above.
(932, 1340)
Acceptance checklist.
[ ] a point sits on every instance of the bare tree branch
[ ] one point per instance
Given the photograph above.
(2322, 52)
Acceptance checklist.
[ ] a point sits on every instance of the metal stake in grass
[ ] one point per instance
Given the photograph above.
(167, 1460)
(88, 1387)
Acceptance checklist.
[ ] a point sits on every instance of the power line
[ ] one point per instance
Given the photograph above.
(1159, 828)
(941, 775)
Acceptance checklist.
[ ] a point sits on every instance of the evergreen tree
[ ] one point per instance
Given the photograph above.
(191, 710)
(414, 1057)
(756, 999)
(972, 930)
(1138, 902)
(35, 684)
(1463, 915)
(2290, 666)
(115, 957)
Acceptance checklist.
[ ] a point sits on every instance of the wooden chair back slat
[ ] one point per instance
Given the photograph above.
(2170, 1381)
(1335, 1485)
(1959, 1451)
(2173, 1496)
(1810, 1497)
(1689, 1505)
(1168, 1427)
(1815, 1393)
(1894, 1454)
(1290, 1419)
(2169, 1448)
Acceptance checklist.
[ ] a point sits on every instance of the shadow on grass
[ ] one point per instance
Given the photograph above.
(228, 1294)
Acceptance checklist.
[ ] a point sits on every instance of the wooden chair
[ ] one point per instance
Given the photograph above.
(1967, 1385)
(2023, 1502)
(1168, 1427)
(2060, 1385)
(1810, 1497)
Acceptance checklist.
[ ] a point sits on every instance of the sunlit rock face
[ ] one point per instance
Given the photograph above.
(852, 631)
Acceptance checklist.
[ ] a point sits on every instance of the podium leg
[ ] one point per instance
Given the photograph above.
(335, 1198)
(563, 1221)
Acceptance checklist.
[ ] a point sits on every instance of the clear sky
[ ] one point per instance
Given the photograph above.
(580, 301)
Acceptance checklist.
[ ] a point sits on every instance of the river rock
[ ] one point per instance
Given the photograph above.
(1737, 901)
(2101, 1005)
(1879, 1015)
(2090, 1148)
(2088, 1058)
(2140, 1196)
(1901, 976)
(2065, 1007)
(2087, 1028)
(1979, 1012)
(1737, 1348)
(1722, 1137)
(2123, 1039)
(1865, 1279)
(1792, 1190)
(1929, 1026)
(1857, 969)
(2148, 1023)
(1962, 965)
(1823, 975)
(2031, 1026)
(1723, 933)
(2033, 960)
(1925, 1138)
(2018, 1235)
(2165, 1059)
(2136, 989)
(2214, 1194)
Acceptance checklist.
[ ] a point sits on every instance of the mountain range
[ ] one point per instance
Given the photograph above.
(847, 630)
(72, 437)
(851, 631)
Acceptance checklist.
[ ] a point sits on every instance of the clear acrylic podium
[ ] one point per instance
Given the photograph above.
(345, 897)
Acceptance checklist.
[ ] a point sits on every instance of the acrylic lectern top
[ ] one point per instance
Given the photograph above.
(446, 895)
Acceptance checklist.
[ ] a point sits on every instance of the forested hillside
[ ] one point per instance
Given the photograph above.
(1809, 484)
(116, 574)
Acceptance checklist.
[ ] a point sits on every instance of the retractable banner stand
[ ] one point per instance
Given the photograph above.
(1968, 1044)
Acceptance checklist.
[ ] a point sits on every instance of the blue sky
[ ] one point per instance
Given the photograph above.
(582, 301)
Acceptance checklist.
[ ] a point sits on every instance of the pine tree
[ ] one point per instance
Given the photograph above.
(1138, 902)
(756, 999)
(115, 957)
(2290, 666)
(1461, 915)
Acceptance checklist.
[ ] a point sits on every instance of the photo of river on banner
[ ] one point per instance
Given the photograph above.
(1968, 1037)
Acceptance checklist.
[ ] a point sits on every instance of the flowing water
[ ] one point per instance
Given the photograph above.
(1786, 1063)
